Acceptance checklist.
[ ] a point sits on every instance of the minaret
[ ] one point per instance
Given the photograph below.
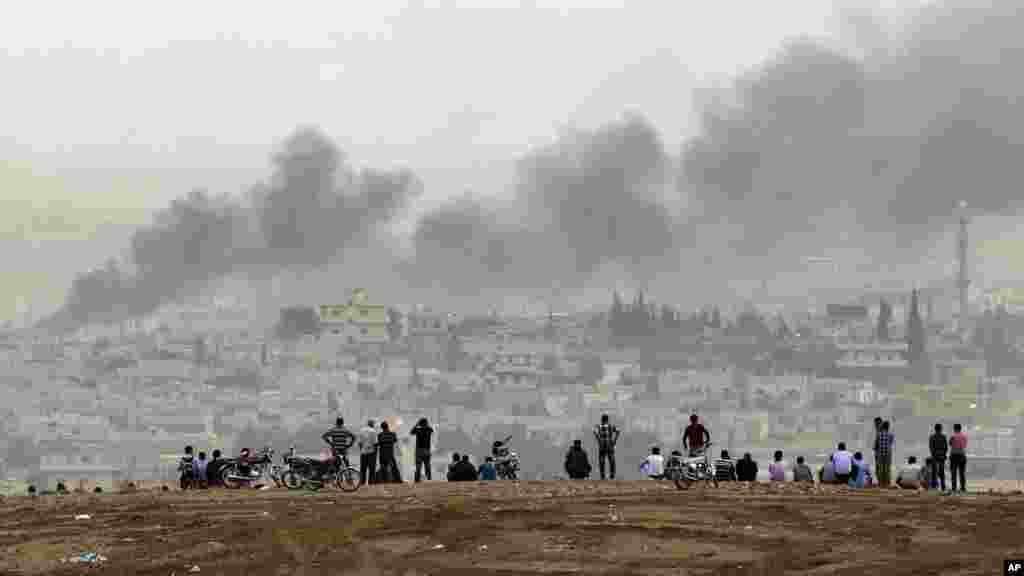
(962, 281)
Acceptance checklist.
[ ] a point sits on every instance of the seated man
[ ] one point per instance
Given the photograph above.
(577, 465)
(655, 464)
(827, 474)
(912, 475)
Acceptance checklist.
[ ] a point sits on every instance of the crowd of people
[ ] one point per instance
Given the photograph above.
(378, 463)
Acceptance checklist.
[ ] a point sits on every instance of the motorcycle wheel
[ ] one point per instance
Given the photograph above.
(683, 482)
(228, 475)
(292, 480)
(347, 479)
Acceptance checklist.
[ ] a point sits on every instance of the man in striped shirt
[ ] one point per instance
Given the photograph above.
(339, 438)
(725, 468)
(883, 454)
(607, 435)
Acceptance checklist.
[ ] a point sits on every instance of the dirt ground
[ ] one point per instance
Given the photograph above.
(508, 528)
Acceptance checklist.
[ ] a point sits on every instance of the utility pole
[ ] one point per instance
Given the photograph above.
(963, 282)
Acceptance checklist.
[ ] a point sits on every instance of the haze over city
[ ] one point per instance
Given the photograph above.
(106, 123)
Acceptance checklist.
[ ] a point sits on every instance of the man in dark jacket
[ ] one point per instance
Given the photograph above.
(746, 469)
(939, 447)
(213, 475)
(422, 431)
(577, 465)
(453, 465)
(465, 471)
(386, 441)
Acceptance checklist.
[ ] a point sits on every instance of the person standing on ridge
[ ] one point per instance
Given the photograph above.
(883, 454)
(695, 437)
(958, 458)
(339, 438)
(422, 431)
(368, 453)
(607, 436)
(386, 442)
(938, 445)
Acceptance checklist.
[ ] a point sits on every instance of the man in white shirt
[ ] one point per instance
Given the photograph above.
(654, 466)
(368, 453)
(912, 475)
(842, 460)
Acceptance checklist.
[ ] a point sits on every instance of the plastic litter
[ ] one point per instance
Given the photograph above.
(439, 547)
(194, 569)
(83, 517)
(87, 557)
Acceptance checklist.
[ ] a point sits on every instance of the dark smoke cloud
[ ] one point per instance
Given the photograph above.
(817, 143)
(314, 206)
(463, 247)
(317, 206)
(589, 199)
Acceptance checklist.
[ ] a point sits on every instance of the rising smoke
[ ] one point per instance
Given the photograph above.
(816, 143)
(817, 147)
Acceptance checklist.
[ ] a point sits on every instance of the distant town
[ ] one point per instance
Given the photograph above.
(118, 402)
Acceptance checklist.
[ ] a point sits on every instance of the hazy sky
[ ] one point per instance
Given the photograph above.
(110, 109)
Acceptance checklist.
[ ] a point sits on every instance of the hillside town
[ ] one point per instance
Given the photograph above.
(118, 402)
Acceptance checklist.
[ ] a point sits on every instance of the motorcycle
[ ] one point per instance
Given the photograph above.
(234, 475)
(685, 471)
(507, 468)
(313, 473)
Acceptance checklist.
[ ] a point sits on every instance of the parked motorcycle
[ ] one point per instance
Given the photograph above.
(507, 468)
(685, 471)
(235, 475)
(313, 473)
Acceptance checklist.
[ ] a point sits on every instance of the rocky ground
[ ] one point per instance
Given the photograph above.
(507, 528)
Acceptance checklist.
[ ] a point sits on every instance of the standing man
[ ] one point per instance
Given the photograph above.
(878, 430)
(386, 441)
(695, 437)
(939, 447)
(957, 458)
(339, 438)
(422, 431)
(607, 435)
(368, 452)
(883, 454)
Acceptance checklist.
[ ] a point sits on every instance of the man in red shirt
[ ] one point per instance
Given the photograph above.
(695, 437)
(958, 457)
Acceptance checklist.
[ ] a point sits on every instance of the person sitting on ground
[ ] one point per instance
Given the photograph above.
(245, 462)
(213, 477)
(746, 469)
(187, 468)
(931, 483)
(199, 471)
(842, 460)
(777, 470)
(827, 473)
(725, 468)
(860, 477)
(487, 470)
(654, 465)
(465, 471)
(912, 476)
(456, 458)
(802, 472)
(577, 465)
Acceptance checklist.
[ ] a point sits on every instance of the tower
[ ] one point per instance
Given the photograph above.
(962, 280)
